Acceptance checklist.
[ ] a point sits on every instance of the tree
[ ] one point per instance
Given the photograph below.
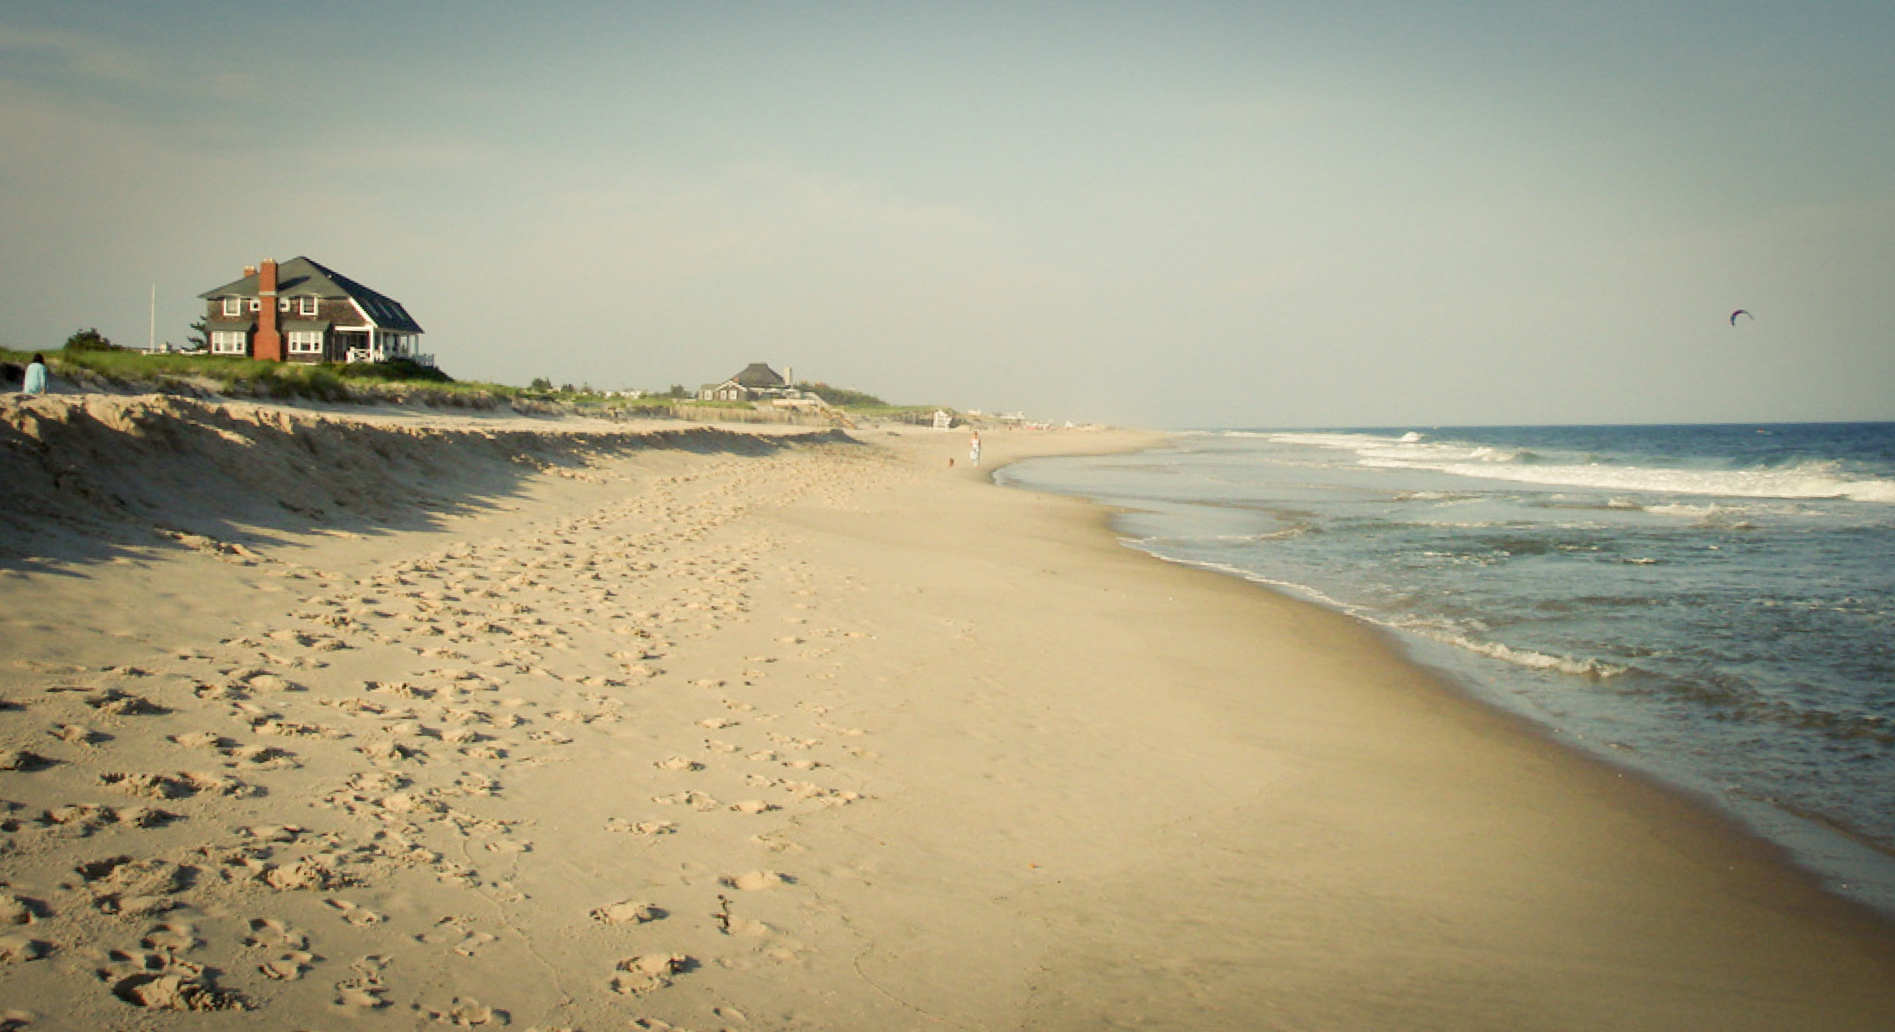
(200, 335)
(540, 383)
(90, 340)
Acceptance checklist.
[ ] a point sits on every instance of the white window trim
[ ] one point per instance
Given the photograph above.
(309, 304)
(305, 342)
(233, 306)
(256, 304)
(229, 342)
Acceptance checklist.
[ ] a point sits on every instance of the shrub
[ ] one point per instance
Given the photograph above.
(396, 369)
(90, 340)
(842, 397)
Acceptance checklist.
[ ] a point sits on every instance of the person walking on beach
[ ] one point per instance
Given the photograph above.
(35, 376)
(973, 449)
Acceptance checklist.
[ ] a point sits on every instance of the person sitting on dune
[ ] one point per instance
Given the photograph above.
(35, 376)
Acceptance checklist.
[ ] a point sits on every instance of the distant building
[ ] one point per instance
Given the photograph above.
(757, 382)
(301, 311)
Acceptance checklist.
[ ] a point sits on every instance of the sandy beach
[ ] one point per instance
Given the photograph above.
(321, 721)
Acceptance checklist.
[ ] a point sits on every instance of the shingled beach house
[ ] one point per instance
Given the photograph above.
(302, 311)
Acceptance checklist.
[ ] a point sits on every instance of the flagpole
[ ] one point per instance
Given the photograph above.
(151, 341)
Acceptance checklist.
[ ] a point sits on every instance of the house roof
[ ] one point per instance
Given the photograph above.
(758, 374)
(300, 276)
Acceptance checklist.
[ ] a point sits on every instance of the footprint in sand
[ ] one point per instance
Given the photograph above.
(647, 972)
(365, 991)
(753, 807)
(179, 786)
(18, 949)
(20, 910)
(756, 881)
(353, 913)
(268, 933)
(122, 885)
(307, 873)
(78, 734)
(23, 760)
(620, 824)
(467, 1012)
(172, 937)
(456, 934)
(124, 704)
(289, 967)
(695, 800)
(626, 911)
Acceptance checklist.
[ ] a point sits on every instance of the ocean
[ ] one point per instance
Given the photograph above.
(1713, 606)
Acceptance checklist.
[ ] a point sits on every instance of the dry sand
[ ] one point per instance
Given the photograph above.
(314, 722)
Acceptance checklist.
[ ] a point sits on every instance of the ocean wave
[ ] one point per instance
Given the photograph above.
(1798, 482)
(1773, 476)
(1591, 669)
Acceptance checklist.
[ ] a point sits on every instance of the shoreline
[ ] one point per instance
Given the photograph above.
(819, 734)
(1846, 863)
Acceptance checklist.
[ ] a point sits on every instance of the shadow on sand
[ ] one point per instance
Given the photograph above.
(87, 479)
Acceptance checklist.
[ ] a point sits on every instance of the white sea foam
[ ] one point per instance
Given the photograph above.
(1812, 479)
(1591, 668)
(1817, 481)
(1785, 483)
(1588, 668)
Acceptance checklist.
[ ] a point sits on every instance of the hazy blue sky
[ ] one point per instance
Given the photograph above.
(1381, 212)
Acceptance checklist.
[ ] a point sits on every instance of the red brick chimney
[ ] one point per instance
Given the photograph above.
(269, 344)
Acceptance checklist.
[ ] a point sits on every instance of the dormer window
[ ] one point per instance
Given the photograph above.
(309, 304)
(233, 306)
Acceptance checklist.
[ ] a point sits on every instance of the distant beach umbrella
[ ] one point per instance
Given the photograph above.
(1743, 313)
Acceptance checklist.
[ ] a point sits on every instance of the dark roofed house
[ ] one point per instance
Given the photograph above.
(301, 311)
(756, 381)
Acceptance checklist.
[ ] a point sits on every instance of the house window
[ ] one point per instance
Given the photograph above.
(308, 304)
(305, 342)
(229, 342)
(256, 305)
(282, 304)
(233, 306)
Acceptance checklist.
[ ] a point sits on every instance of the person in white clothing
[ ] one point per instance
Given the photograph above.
(36, 377)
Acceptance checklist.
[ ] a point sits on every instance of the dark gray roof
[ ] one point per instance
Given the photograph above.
(756, 375)
(300, 276)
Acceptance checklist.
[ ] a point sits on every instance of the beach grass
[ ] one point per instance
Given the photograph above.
(401, 383)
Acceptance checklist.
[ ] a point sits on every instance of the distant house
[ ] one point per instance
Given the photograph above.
(301, 311)
(756, 382)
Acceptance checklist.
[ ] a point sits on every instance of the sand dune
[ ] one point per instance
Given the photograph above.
(323, 722)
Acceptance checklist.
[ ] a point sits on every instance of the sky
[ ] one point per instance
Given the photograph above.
(1167, 214)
